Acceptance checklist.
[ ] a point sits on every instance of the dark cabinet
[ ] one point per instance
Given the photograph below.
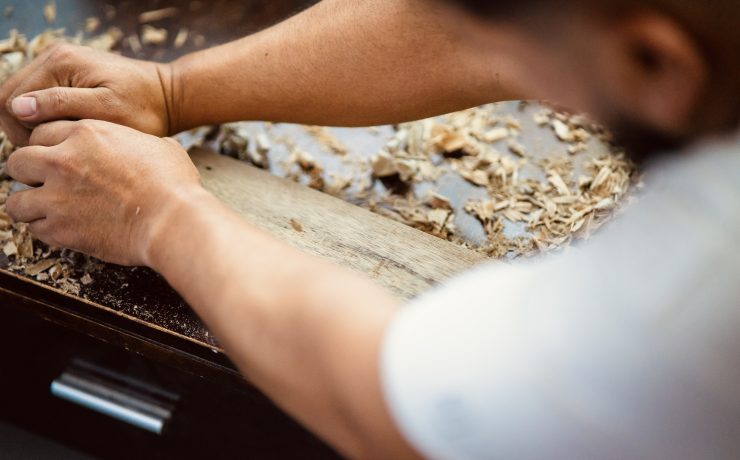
(214, 414)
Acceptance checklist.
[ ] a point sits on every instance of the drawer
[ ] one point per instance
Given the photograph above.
(210, 418)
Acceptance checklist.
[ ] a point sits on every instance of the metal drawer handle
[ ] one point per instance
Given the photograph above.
(114, 399)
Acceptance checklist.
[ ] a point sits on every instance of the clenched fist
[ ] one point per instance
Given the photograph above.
(100, 188)
(70, 82)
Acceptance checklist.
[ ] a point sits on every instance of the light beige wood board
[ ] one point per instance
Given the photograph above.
(401, 258)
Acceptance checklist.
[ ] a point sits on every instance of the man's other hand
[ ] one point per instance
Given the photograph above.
(101, 188)
(68, 82)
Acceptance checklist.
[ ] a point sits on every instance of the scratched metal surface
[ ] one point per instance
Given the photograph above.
(141, 293)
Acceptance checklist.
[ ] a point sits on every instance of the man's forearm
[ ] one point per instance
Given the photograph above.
(340, 63)
(303, 330)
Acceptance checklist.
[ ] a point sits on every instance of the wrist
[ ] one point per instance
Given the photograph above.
(169, 80)
(163, 232)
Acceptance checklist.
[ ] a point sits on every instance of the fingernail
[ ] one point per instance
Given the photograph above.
(24, 106)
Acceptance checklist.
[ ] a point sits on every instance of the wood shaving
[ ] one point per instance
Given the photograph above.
(541, 196)
(50, 12)
(199, 41)
(153, 35)
(328, 140)
(181, 38)
(436, 221)
(106, 41)
(296, 225)
(517, 149)
(236, 143)
(134, 43)
(437, 201)
(574, 130)
(158, 15)
(91, 24)
(263, 143)
(110, 12)
(40, 266)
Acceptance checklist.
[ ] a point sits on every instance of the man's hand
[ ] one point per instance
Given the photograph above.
(70, 82)
(102, 189)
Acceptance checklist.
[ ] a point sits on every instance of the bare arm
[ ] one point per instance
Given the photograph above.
(306, 332)
(342, 63)
(338, 63)
(303, 330)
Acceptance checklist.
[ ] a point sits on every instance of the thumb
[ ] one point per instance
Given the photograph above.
(58, 103)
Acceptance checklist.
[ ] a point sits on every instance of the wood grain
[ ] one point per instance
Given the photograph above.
(399, 257)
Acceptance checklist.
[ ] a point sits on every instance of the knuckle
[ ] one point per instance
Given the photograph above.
(84, 128)
(65, 165)
(89, 125)
(107, 98)
(62, 51)
(60, 162)
(59, 97)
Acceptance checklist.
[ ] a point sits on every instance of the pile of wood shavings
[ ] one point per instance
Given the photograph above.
(64, 269)
(541, 194)
(553, 199)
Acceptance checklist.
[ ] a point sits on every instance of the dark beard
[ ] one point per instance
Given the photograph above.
(643, 143)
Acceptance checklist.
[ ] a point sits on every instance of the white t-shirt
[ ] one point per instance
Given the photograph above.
(626, 347)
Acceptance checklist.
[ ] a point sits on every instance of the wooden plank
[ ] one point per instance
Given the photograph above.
(401, 258)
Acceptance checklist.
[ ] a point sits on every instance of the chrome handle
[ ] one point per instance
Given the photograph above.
(119, 398)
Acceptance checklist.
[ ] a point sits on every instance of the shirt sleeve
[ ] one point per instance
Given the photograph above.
(626, 347)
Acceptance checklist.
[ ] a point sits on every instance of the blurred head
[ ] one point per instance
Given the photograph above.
(660, 73)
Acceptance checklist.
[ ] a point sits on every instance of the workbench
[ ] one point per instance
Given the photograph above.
(130, 327)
